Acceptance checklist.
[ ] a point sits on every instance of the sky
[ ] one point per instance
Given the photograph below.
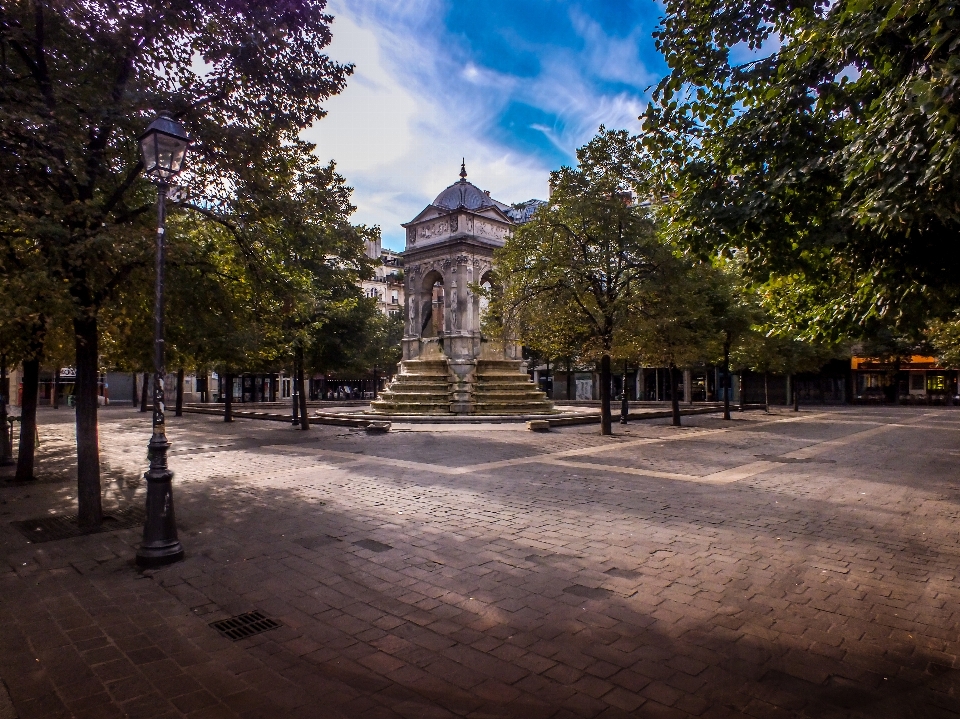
(512, 86)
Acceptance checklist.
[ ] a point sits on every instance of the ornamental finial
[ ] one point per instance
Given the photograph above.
(463, 170)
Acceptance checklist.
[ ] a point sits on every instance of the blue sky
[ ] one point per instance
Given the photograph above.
(515, 86)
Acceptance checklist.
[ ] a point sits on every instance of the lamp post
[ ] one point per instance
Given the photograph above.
(164, 148)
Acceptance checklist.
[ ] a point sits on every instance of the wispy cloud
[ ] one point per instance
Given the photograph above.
(514, 98)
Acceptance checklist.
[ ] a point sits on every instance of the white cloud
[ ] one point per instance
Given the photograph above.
(415, 106)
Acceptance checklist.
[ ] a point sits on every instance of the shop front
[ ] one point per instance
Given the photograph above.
(909, 380)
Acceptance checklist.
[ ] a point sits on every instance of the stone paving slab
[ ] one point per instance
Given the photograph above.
(776, 565)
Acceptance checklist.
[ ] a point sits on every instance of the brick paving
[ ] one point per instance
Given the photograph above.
(775, 566)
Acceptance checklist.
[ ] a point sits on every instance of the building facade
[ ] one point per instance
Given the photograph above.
(386, 286)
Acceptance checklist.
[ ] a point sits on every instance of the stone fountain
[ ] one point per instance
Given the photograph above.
(449, 367)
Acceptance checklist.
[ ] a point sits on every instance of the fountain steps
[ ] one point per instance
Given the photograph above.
(431, 387)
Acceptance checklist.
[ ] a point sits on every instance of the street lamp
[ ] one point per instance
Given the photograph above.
(164, 148)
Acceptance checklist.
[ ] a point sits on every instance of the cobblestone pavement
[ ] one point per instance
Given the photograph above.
(773, 566)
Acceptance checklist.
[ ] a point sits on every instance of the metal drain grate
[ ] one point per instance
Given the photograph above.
(64, 526)
(245, 625)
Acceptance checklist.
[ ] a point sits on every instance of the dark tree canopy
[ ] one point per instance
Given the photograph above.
(79, 82)
(831, 159)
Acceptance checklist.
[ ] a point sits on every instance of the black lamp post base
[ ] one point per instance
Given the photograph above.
(160, 543)
(158, 556)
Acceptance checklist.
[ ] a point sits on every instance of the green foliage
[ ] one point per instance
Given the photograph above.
(79, 83)
(944, 337)
(384, 348)
(830, 161)
(342, 339)
(678, 321)
(570, 277)
(260, 230)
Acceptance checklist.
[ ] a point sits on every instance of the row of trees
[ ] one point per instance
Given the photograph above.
(809, 194)
(263, 260)
(598, 276)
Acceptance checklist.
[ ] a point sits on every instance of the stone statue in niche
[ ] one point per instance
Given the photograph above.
(411, 235)
(454, 223)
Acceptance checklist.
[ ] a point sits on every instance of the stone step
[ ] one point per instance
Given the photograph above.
(414, 397)
(480, 408)
(391, 402)
(429, 387)
(505, 385)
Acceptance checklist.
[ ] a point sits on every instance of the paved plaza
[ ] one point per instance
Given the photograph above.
(778, 565)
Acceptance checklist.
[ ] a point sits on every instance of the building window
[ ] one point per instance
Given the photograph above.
(286, 388)
(394, 298)
(936, 383)
(916, 381)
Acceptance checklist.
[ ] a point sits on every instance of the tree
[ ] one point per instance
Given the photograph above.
(944, 338)
(736, 311)
(578, 265)
(30, 306)
(676, 321)
(384, 348)
(830, 157)
(80, 82)
(300, 217)
(765, 352)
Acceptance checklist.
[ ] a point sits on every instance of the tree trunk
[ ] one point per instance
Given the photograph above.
(571, 390)
(228, 398)
(624, 398)
(55, 400)
(5, 448)
(143, 393)
(766, 392)
(294, 397)
(179, 407)
(726, 380)
(796, 394)
(90, 510)
(743, 399)
(304, 419)
(28, 420)
(606, 420)
(674, 398)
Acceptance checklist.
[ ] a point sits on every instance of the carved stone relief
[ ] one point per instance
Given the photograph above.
(483, 228)
(429, 230)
